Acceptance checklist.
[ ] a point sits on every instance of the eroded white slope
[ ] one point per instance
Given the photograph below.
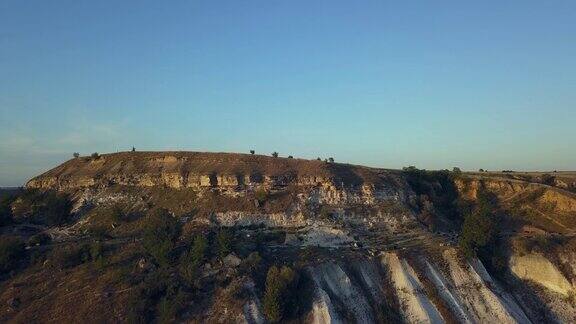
(323, 311)
(330, 278)
(451, 298)
(416, 307)
(471, 283)
(539, 269)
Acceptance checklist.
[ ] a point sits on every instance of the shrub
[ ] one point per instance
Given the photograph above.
(456, 170)
(290, 157)
(44, 207)
(117, 214)
(140, 304)
(11, 252)
(5, 211)
(70, 256)
(279, 283)
(76, 155)
(275, 154)
(95, 156)
(39, 239)
(58, 209)
(318, 159)
(252, 152)
(325, 212)
(251, 264)
(331, 160)
(547, 179)
(261, 195)
(158, 294)
(224, 242)
(160, 233)
(99, 232)
(97, 255)
(169, 306)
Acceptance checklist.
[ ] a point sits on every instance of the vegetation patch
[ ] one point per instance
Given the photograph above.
(11, 253)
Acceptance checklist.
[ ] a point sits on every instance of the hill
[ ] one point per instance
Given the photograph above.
(223, 237)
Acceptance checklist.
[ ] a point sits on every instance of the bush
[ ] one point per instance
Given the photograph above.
(5, 211)
(251, 264)
(70, 256)
(95, 156)
(331, 159)
(261, 195)
(99, 232)
(169, 306)
(252, 152)
(159, 294)
(76, 155)
(45, 207)
(11, 252)
(275, 154)
(160, 233)
(547, 179)
(224, 242)
(279, 285)
(97, 255)
(39, 239)
(58, 209)
(116, 214)
(325, 212)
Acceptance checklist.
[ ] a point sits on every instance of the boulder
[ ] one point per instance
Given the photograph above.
(231, 260)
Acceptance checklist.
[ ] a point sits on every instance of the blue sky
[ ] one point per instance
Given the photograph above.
(436, 84)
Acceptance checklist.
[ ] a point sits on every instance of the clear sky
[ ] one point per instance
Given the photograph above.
(436, 84)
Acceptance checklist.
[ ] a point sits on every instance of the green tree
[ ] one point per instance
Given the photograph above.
(193, 258)
(272, 306)
(480, 227)
(279, 283)
(160, 233)
(224, 242)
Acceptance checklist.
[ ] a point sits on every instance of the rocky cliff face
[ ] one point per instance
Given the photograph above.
(226, 173)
